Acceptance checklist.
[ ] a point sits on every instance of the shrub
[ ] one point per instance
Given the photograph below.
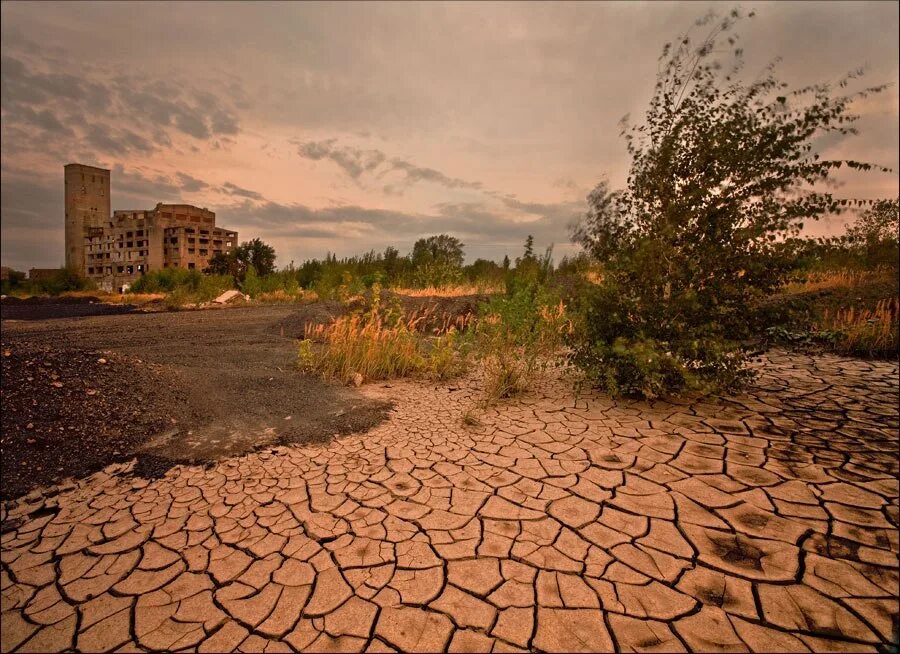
(250, 254)
(165, 280)
(177, 298)
(63, 280)
(16, 282)
(337, 284)
(518, 333)
(722, 174)
(182, 285)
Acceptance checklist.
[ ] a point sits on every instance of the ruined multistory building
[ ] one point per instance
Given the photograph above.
(114, 250)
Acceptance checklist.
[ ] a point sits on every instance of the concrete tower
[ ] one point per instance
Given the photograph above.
(87, 207)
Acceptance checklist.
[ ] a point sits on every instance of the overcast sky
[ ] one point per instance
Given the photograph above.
(343, 127)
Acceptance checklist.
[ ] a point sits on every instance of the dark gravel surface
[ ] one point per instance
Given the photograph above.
(44, 308)
(188, 386)
(65, 411)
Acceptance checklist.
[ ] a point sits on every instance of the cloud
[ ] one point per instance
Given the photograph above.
(133, 187)
(32, 212)
(54, 103)
(190, 184)
(232, 189)
(414, 174)
(353, 161)
(116, 141)
(524, 94)
(29, 202)
(357, 161)
(478, 224)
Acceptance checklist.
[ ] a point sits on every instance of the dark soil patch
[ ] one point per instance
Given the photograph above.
(177, 388)
(45, 308)
(65, 409)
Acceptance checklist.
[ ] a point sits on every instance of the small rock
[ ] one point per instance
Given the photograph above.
(357, 380)
(57, 384)
(101, 361)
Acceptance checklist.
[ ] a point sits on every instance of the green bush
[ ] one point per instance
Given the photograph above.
(519, 333)
(186, 285)
(61, 281)
(719, 182)
(15, 282)
(166, 280)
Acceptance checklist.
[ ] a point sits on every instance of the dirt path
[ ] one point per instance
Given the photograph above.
(172, 387)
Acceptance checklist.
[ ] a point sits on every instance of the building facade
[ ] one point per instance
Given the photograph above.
(115, 250)
(87, 208)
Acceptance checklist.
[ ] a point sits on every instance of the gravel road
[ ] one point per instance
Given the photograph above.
(175, 387)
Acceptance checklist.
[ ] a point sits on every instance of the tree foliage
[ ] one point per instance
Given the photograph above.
(255, 254)
(437, 260)
(442, 248)
(876, 227)
(722, 172)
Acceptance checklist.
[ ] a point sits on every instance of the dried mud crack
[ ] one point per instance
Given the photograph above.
(761, 522)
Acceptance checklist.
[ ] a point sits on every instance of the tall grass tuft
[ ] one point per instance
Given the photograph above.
(380, 344)
(866, 332)
(514, 340)
(458, 290)
(838, 278)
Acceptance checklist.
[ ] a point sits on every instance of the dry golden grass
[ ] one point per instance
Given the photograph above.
(106, 296)
(132, 298)
(449, 291)
(864, 331)
(283, 297)
(833, 279)
(382, 345)
(511, 358)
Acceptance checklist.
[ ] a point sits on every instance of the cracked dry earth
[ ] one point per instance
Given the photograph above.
(562, 522)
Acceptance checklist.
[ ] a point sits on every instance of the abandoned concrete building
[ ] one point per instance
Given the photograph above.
(114, 249)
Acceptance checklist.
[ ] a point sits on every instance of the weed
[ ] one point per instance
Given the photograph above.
(866, 332)
(848, 330)
(839, 278)
(470, 419)
(281, 296)
(451, 291)
(380, 343)
(518, 335)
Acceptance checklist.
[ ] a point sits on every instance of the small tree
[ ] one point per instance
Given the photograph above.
(875, 233)
(254, 253)
(721, 173)
(441, 248)
(437, 260)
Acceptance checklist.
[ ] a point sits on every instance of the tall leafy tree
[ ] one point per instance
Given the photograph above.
(722, 171)
(441, 248)
(255, 253)
(437, 260)
(876, 226)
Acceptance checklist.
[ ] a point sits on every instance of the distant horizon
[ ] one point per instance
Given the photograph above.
(350, 127)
